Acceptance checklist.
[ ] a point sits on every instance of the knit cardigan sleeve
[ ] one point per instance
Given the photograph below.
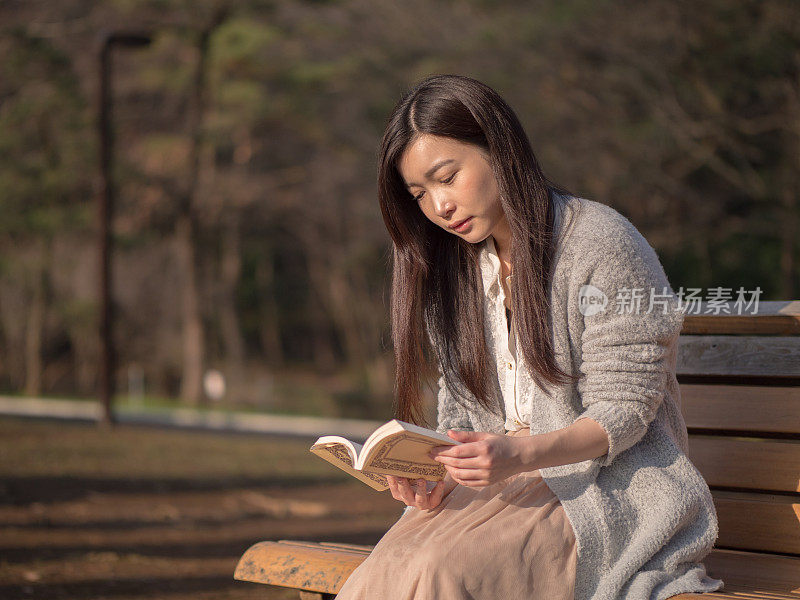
(629, 348)
(449, 413)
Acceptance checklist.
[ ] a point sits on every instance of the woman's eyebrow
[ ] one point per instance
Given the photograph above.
(433, 170)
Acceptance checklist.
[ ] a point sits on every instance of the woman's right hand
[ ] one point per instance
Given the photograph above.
(415, 492)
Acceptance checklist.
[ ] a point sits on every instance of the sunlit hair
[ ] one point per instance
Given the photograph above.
(437, 291)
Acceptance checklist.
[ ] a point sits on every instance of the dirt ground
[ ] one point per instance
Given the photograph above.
(138, 512)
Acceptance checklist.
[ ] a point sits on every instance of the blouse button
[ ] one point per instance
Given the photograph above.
(510, 366)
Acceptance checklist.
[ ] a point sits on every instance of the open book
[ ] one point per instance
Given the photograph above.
(395, 448)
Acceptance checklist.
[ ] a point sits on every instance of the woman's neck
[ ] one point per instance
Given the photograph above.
(502, 244)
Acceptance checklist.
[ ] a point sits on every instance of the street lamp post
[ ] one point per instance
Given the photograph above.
(108, 41)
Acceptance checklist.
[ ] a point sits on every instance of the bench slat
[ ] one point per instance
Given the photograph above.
(741, 407)
(303, 566)
(754, 570)
(737, 594)
(777, 576)
(739, 462)
(349, 547)
(738, 355)
(354, 547)
(776, 318)
(758, 522)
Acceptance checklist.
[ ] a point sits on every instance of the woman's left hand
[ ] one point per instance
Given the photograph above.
(484, 458)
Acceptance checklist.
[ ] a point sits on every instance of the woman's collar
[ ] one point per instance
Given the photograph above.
(490, 261)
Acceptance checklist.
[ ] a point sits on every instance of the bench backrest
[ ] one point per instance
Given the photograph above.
(740, 395)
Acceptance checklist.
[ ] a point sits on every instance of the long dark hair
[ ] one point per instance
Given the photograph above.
(436, 282)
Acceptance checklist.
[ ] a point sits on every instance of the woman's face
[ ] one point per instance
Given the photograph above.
(452, 181)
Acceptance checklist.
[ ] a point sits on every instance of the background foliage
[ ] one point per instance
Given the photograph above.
(684, 116)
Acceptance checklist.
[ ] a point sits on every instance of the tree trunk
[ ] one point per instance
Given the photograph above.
(269, 330)
(230, 272)
(193, 342)
(789, 234)
(186, 229)
(324, 352)
(333, 289)
(34, 333)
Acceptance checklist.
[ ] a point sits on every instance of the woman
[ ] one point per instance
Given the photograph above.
(555, 333)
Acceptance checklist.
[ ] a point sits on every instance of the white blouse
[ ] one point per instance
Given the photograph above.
(505, 340)
(517, 409)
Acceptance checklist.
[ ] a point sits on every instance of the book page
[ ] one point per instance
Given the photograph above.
(405, 454)
(395, 427)
(338, 455)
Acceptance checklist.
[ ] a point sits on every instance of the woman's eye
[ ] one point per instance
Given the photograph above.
(418, 197)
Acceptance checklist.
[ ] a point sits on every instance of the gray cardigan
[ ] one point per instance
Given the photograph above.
(642, 514)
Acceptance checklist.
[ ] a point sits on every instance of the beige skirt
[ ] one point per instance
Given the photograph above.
(511, 539)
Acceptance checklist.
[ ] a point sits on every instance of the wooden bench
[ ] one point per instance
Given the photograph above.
(740, 389)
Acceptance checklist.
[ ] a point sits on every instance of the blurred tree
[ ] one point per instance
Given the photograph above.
(683, 116)
(44, 192)
(694, 108)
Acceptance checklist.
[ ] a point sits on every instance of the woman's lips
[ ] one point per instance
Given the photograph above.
(465, 225)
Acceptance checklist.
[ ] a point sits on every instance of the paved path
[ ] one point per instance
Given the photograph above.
(312, 427)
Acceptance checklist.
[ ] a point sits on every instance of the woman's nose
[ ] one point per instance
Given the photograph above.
(442, 205)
